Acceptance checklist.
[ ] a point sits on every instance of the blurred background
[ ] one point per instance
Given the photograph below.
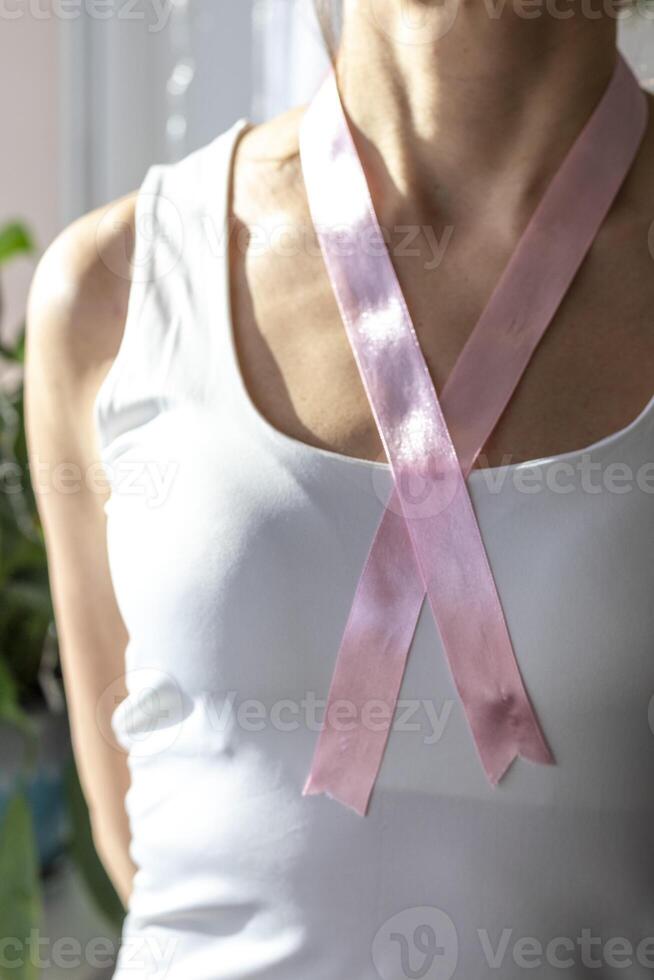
(91, 93)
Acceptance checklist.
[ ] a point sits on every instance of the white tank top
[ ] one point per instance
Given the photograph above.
(235, 551)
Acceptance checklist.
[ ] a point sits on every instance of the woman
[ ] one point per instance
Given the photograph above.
(218, 389)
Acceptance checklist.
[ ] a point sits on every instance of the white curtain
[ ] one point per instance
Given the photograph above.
(637, 42)
(289, 55)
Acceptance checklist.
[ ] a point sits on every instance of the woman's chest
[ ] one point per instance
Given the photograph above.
(237, 579)
(591, 374)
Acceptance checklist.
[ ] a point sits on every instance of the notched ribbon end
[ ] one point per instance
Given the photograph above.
(353, 798)
(543, 756)
(497, 762)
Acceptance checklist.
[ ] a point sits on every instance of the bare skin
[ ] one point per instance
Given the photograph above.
(76, 316)
(592, 374)
(432, 155)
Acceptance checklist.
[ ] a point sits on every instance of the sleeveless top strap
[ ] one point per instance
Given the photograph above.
(217, 229)
(126, 396)
(172, 346)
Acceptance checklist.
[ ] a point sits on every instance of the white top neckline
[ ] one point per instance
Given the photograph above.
(271, 431)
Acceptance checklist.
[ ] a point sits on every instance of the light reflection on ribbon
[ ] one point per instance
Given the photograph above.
(431, 542)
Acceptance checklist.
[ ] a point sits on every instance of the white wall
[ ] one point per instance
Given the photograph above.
(29, 160)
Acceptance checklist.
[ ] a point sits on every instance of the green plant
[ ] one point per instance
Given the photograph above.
(26, 610)
(29, 670)
(20, 894)
(25, 615)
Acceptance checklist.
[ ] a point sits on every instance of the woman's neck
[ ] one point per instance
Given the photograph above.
(466, 103)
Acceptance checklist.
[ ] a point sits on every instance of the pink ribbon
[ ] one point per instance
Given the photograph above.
(432, 543)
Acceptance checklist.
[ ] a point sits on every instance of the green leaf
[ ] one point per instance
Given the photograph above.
(8, 689)
(16, 353)
(13, 714)
(15, 239)
(30, 596)
(20, 891)
(10, 709)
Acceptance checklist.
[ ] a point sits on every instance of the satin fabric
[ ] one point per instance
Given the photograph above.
(429, 540)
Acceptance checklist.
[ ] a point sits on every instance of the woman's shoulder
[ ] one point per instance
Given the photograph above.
(79, 295)
(77, 307)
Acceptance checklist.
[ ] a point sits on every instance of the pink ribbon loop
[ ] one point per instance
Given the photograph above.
(432, 544)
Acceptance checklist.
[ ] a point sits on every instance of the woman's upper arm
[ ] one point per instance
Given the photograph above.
(76, 315)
